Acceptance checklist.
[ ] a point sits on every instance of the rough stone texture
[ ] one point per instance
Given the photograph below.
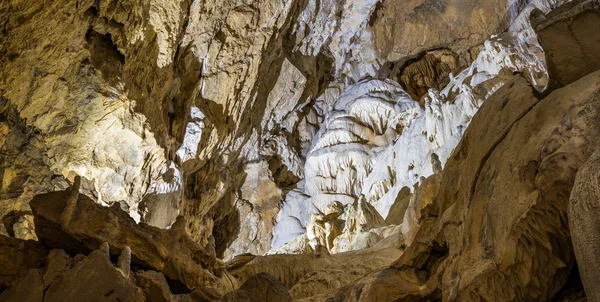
(156, 289)
(584, 224)
(311, 274)
(95, 276)
(570, 41)
(433, 70)
(162, 106)
(90, 224)
(30, 288)
(398, 208)
(17, 257)
(81, 278)
(347, 132)
(502, 237)
(376, 140)
(258, 288)
(527, 243)
(154, 285)
(58, 262)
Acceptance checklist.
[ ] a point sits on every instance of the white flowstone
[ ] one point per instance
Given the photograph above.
(193, 134)
(376, 140)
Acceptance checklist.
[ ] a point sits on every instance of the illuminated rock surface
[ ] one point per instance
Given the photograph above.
(359, 150)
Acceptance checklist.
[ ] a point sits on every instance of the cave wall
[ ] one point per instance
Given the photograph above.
(215, 110)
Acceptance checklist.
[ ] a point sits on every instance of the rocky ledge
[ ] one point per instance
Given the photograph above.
(300, 150)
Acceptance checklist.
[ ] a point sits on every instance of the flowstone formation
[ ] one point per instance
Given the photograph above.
(359, 150)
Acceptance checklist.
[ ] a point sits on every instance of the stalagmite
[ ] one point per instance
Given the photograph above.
(71, 202)
(124, 262)
(311, 150)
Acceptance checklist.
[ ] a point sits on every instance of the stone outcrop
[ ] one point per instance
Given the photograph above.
(162, 107)
(260, 287)
(17, 257)
(315, 273)
(543, 141)
(569, 40)
(317, 150)
(433, 70)
(56, 276)
(82, 225)
(463, 253)
(583, 223)
(82, 281)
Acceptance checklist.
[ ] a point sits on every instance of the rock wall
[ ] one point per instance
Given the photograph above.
(435, 142)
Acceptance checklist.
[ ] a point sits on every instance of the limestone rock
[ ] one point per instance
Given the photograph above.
(377, 140)
(161, 106)
(260, 287)
(359, 219)
(570, 43)
(433, 70)
(308, 275)
(398, 208)
(3, 230)
(399, 150)
(30, 288)
(545, 142)
(17, 257)
(95, 276)
(170, 251)
(58, 263)
(258, 207)
(493, 228)
(156, 288)
(583, 224)
(24, 228)
(154, 285)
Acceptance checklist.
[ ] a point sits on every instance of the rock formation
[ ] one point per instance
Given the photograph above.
(315, 150)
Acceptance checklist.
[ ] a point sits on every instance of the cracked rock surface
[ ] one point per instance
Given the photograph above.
(316, 150)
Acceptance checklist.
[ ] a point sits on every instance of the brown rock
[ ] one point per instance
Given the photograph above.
(387, 284)
(154, 285)
(405, 28)
(3, 231)
(584, 223)
(96, 277)
(307, 275)
(17, 257)
(571, 41)
(28, 289)
(58, 263)
(431, 71)
(506, 191)
(169, 251)
(259, 288)
(396, 213)
(203, 294)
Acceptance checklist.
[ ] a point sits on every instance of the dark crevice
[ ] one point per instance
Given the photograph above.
(105, 56)
(375, 14)
(573, 290)
(176, 287)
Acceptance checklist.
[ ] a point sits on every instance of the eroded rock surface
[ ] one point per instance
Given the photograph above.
(359, 150)
(163, 106)
(87, 225)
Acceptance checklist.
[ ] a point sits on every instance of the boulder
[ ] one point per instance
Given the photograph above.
(29, 289)
(58, 263)
(17, 257)
(95, 276)
(584, 224)
(261, 287)
(89, 224)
